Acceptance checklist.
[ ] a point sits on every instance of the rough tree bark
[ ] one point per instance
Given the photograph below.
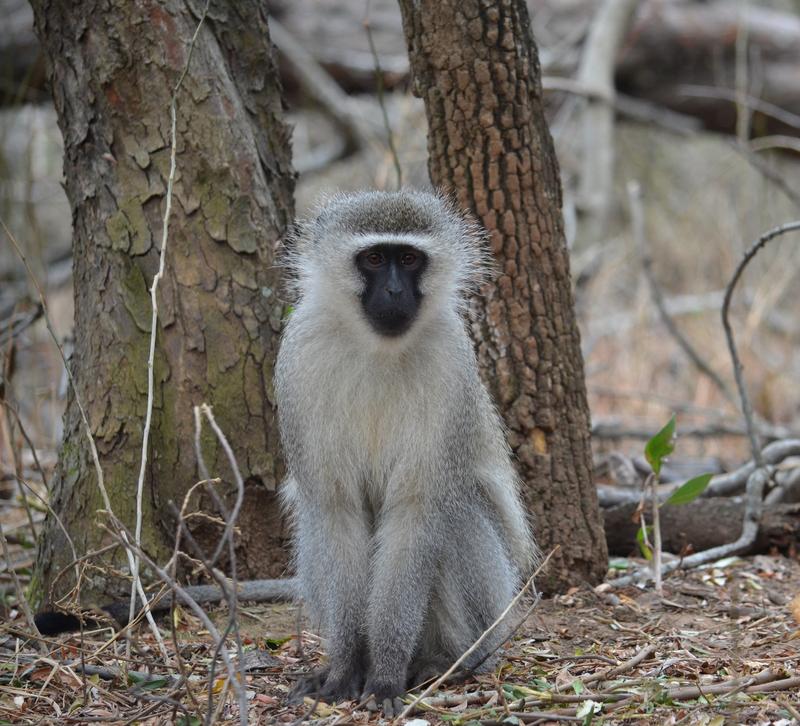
(112, 67)
(475, 64)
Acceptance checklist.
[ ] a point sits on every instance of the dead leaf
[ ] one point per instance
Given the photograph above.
(794, 608)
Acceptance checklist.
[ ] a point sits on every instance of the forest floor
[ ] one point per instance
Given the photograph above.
(720, 646)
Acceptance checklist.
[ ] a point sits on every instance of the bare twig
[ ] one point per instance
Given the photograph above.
(747, 152)
(28, 441)
(381, 100)
(637, 220)
(21, 599)
(741, 72)
(469, 651)
(16, 324)
(596, 72)
(737, 364)
(319, 85)
(17, 464)
(173, 111)
(82, 411)
(776, 141)
(628, 106)
(227, 538)
(755, 104)
(628, 665)
(190, 602)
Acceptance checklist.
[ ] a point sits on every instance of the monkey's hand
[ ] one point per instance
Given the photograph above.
(384, 695)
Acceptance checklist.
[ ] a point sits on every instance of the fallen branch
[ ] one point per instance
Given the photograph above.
(318, 84)
(596, 72)
(747, 409)
(706, 523)
(720, 485)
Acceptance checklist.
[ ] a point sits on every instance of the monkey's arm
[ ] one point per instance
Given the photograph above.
(53, 622)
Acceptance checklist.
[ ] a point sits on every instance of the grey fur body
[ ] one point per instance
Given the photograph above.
(409, 533)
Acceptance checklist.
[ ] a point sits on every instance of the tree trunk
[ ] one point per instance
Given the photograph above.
(112, 68)
(475, 64)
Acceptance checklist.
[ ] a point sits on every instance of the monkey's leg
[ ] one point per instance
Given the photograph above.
(475, 582)
(409, 541)
(333, 552)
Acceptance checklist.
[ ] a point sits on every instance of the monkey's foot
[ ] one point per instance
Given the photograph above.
(382, 696)
(309, 685)
(327, 687)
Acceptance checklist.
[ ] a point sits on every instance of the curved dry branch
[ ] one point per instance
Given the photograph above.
(747, 409)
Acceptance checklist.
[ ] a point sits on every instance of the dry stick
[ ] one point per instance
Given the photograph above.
(629, 664)
(52, 513)
(720, 485)
(234, 516)
(737, 364)
(17, 464)
(469, 651)
(136, 582)
(28, 441)
(629, 106)
(753, 103)
(596, 72)
(229, 594)
(761, 474)
(84, 418)
(319, 85)
(741, 72)
(173, 565)
(381, 98)
(775, 141)
(230, 523)
(747, 151)
(23, 602)
(17, 324)
(187, 600)
(637, 222)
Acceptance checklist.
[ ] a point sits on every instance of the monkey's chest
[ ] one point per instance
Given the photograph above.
(374, 431)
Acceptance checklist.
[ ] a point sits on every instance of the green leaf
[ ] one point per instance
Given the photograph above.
(644, 548)
(188, 721)
(578, 687)
(660, 445)
(275, 643)
(689, 491)
(148, 682)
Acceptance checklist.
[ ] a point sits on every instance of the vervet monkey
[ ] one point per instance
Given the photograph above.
(410, 536)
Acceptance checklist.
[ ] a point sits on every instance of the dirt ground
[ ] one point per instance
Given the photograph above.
(721, 646)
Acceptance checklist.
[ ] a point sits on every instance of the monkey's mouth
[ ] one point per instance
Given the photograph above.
(390, 323)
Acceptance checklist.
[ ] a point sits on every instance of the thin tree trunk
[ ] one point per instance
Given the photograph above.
(475, 64)
(112, 68)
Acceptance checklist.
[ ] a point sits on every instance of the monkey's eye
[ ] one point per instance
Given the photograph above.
(374, 259)
(408, 259)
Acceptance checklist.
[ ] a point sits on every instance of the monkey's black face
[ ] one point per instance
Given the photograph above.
(391, 296)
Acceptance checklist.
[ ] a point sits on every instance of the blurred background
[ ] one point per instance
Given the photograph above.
(677, 126)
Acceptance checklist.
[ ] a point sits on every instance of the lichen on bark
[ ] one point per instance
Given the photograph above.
(113, 66)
